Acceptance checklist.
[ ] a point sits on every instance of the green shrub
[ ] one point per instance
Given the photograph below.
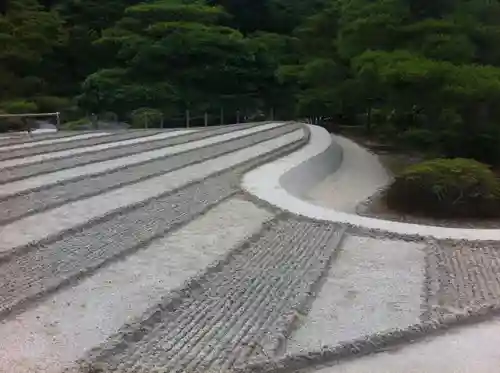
(446, 188)
(76, 125)
(52, 104)
(19, 107)
(146, 117)
(418, 138)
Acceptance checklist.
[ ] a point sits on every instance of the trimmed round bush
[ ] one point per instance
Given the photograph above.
(446, 188)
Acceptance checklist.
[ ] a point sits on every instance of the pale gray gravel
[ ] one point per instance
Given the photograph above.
(50, 179)
(53, 264)
(75, 137)
(17, 173)
(73, 152)
(373, 286)
(244, 309)
(463, 276)
(36, 201)
(43, 268)
(111, 137)
(24, 138)
(473, 349)
(51, 223)
(50, 339)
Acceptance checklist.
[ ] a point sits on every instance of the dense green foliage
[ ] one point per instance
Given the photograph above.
(446, 188)
(422, 74)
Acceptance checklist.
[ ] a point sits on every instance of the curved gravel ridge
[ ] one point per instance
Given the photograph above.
(24, 204)
(21, 172)
(266, 183)
(108, 138)
(36, 270)
(236, 312)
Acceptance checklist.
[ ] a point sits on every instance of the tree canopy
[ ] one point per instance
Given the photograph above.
(420, 73)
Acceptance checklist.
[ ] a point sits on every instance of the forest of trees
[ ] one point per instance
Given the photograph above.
(420, 73)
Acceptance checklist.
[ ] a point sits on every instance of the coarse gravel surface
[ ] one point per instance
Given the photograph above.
(81, 172)
(114, 138)
(76, 137)
(47, 224)
(50, 340)
(48, 265)
(17, 173)
(36, 201)
(472, 349)
(47, 156)
(242, 310)
(464, 276)
(142, 257)
(373, 286)
(23, 137)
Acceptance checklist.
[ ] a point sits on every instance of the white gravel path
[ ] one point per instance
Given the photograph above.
(60, 330)
(95, 168)
(88, 149)
(360, 175)
(36, 227)
(374, 285)
(53, 141)
(472, 349)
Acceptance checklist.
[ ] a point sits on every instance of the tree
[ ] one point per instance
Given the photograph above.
(27, 36)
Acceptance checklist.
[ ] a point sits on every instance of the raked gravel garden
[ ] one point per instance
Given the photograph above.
(193, 251)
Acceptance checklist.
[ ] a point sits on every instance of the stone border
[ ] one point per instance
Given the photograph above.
(266, 183)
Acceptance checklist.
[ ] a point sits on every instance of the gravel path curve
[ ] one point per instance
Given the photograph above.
(36, 201)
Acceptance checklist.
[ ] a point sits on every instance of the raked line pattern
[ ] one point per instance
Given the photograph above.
(137, 251)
